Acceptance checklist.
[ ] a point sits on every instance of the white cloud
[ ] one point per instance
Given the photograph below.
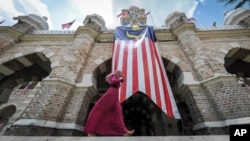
(202, 1)
(1, 18)
(68, 10)
(8, 11)
(190, 12)
(108, 9)
(36, 7)
(100, 7)
(14, 8)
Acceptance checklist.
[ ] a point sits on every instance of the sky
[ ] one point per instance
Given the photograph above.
(59, 12)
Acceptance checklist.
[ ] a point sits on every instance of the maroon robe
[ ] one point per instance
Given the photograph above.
(106, 117)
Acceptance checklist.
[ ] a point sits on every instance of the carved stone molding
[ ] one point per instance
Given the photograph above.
(95, 21)
(203, 34)
(165, 37)
(39, 23)
(9, 34)
(184, 27)
(47, 37)
(56, 35)
(162, 34)
(86, 29)
(175, 19)
(105, 38)
(238, 16)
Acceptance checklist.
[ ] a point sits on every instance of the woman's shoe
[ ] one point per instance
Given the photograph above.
(129, 133)
(91, 135)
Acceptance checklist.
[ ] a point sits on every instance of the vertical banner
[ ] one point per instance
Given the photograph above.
(136, 54)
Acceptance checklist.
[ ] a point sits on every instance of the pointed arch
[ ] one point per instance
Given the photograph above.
(29, 67)
(237, 61)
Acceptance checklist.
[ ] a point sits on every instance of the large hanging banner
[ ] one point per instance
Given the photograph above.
(136, 54)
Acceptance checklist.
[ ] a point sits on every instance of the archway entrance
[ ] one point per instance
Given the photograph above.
(237, 61)
(18, 78)
(140, 113)
(32, 67)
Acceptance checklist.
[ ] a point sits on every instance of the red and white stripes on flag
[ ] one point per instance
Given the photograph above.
(191, 20)
(68, 25)
(25, 89)
(136, 54)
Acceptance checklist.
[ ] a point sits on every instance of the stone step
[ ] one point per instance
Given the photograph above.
(132, 138)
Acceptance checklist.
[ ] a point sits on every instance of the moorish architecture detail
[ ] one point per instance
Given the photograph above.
(50, 79)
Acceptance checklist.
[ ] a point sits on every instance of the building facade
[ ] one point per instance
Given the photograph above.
(49, 80)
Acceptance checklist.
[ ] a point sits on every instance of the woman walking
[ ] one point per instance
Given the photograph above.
(106, 117)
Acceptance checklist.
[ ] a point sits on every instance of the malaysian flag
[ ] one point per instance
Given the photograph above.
(67, 25)
(136, 54)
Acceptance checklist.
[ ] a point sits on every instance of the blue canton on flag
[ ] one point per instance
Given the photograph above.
(131, 33)
(67, 25)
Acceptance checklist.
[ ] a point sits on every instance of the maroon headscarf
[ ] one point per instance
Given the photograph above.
(109, 76)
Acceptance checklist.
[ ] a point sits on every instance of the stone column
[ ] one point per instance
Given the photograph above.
(30, 23)
(194, 50)
(55, 108)
(199, 100)
(81, 98)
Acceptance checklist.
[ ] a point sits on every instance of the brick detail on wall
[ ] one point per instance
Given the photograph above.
(49, 103)
(230, 98)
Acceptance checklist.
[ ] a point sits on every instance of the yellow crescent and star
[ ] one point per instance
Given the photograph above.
(134, 36)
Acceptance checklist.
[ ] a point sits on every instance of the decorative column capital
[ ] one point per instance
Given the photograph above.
(184, 28)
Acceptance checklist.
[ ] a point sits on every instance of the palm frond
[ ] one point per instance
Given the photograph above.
(239, 3)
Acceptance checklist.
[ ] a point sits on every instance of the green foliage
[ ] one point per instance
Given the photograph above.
(239, 3)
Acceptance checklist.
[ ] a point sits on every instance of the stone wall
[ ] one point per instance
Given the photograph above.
(213, 103)
(230, 99)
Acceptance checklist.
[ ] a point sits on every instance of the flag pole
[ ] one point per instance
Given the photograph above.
(151, 16)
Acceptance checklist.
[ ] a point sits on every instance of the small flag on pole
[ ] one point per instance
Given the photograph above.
(67, 25)
(123, 14)
(119, 15)
(191, 20)
(2, 21)
(146, 14)
(25, 89)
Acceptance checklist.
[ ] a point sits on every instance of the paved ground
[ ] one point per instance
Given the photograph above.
(158, 138)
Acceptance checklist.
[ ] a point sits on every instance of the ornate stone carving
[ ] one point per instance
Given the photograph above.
(175, 19)
(238, 16)
(30, 23)
(133, 15)
(94, 21)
